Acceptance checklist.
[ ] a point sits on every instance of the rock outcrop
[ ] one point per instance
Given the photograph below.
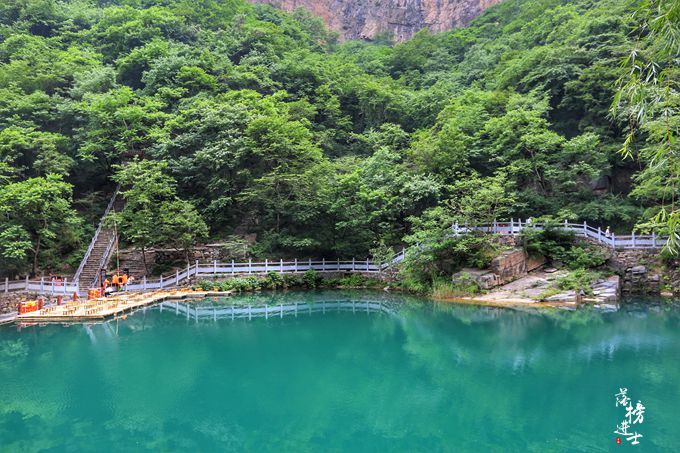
(641, 270)
(364, 19)
(505, 268)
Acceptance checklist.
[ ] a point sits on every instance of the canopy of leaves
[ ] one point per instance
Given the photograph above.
(242, 120)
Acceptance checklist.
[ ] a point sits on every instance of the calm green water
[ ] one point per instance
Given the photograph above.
(413, 376)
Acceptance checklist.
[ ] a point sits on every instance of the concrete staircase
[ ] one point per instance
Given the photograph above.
(101, 248)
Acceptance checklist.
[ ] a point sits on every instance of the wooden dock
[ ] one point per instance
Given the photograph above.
(107, 307)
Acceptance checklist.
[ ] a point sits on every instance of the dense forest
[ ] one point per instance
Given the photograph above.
(224, 120)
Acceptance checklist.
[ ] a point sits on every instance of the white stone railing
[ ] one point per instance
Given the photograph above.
(214, 269)
(208, 270)
(42, 286)
(217, 269)
(515, 227)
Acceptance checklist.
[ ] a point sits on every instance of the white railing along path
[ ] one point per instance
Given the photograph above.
(207, 270)
(88, 252)
(515, 227)
(214, 269)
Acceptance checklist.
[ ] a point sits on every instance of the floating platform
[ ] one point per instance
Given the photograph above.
(107, 307)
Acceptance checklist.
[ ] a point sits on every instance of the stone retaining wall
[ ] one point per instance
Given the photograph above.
(640, 269)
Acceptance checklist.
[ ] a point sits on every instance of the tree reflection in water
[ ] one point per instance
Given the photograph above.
(410, 376)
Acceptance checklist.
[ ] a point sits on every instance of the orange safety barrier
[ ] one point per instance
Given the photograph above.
(27, 307)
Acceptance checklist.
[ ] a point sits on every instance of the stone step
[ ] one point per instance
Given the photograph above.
(91, 267)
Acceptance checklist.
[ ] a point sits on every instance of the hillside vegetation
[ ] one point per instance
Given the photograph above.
(222, 119)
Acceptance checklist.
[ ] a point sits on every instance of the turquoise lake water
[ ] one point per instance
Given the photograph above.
(386, 373)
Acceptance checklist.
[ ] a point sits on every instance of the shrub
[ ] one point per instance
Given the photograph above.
(311, 279)
(669, 258)
(273, 280)
(414, 285)
(241, 284)
(560, 245)
(292, 281)
(551, 242)
(353, 280)
(254, 283)
(547, 293)
(462, 286)
(584, 257)
(203, 284)
(225, 286)
(579, 279)
(449, 255)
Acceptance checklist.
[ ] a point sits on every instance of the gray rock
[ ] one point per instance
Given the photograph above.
(567, 296)
(365, 19)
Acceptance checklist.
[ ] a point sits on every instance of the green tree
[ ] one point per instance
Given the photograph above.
(38, 212)
(118, 124)
(15, 246)
(181, 226)
(647, 101)
(24, 148)
(153, 214)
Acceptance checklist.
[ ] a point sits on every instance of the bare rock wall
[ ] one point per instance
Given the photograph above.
(364, 19)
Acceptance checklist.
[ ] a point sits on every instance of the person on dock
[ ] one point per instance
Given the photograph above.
(119, 280)
(106, 287)
(114, 281)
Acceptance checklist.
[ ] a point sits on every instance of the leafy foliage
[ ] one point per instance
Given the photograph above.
(273, 280)
(37, 222)
(579, 280)
(648, 100)
(258, 123)
(561, 246)
(153, 214)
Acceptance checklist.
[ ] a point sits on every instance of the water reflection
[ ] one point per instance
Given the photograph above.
(408, 375)
(220, 309)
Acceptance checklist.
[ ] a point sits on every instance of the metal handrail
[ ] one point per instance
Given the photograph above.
(76, 276)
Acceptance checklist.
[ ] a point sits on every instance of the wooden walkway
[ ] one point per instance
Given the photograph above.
(102, 308)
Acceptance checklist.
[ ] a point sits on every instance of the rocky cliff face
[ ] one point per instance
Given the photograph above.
(363, 19)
